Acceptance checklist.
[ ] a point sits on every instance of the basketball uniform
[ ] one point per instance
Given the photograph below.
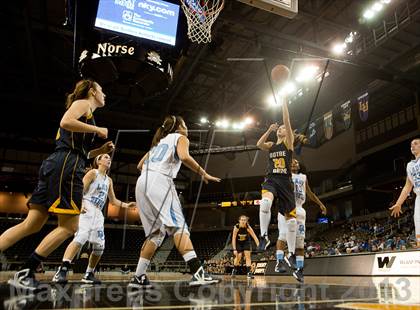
(278, 179)
(60, 184)
(156, 196)
(413, 174)
(243, 241)
(299, 183)
(91, 223)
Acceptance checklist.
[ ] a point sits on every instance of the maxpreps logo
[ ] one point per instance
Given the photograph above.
(385, 262)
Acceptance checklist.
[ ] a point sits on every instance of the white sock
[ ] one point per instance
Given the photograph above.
(142, 266)
(189, 256)
(279, 255)
(89, 269)
(291, 234)
(265, 215)
(66, 260)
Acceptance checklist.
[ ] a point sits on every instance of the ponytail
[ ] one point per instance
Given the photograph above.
(81, 91)
(170, 125)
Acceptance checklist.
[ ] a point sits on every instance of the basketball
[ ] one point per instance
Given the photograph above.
(280, 74)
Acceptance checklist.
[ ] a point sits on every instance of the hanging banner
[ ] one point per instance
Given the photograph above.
(328, 125)
(346, 113)
(363, 101)
(312, 134)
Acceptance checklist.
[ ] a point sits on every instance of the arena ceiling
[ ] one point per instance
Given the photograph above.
(37, 64)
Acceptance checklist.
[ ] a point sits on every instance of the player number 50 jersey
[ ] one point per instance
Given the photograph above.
(163, 157)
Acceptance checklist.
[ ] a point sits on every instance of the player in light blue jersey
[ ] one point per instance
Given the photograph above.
(97, 188)
(412, 183)
(301, 190)
(158, 202)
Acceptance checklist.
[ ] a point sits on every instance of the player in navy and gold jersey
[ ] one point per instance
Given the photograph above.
(60, 186)
(241, 243)
(278, 183)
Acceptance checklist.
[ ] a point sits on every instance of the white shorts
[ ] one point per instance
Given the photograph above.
(158, 204)
(91, 226)
(300, 220)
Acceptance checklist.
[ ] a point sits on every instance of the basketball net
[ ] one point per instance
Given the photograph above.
(201, 14)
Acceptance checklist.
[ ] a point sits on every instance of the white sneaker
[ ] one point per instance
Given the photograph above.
(24, 280)
(201, 277)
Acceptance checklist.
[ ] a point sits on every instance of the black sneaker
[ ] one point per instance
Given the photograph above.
(24, 280)
(280, 266)
(298, 274)
(60, 276)
(290, 261)
(250, 275)
(89, 278)
(264, 243)
(141, 282)
(201, 277)
(234, 272)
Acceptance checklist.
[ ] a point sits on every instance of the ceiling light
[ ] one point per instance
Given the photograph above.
(248, 120)
(288, 88)
(368, 14)
(377, 7)
(204, 120)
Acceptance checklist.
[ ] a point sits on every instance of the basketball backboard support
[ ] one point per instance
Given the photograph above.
(286, 8)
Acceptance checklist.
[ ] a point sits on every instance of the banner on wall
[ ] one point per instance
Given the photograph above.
(328, 125)
(363, 103)
(260, 267)
(346, 113)
(398, 263)
(312, 133)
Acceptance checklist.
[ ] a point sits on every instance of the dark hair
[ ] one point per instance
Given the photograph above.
(95, 164)
(170, 125)
(243, 215)
(80, 91)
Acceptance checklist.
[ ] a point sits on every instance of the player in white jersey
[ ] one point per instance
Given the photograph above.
(412, 183)
(301, 190)
(158, 203)
(97, 187)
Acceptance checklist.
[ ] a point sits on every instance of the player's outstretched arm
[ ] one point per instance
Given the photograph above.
(286, 121)
(183, 152)
(113, 199)
(396, 208)
(262, 144)
(314, 198)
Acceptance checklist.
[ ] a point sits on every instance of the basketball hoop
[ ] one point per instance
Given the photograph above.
(201, 14)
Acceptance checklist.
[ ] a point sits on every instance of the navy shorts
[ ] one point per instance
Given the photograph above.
(60, 183)
(283, 190)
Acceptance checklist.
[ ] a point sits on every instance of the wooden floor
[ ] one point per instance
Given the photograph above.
(263, 292)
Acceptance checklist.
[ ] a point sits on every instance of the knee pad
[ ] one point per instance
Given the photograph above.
(300, 242)
(81, 238)
(98, 249)
(172, 231)
(265, 205)
(281, 222)
(157, 238)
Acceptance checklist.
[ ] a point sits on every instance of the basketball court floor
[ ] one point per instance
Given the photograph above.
(263, 292)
